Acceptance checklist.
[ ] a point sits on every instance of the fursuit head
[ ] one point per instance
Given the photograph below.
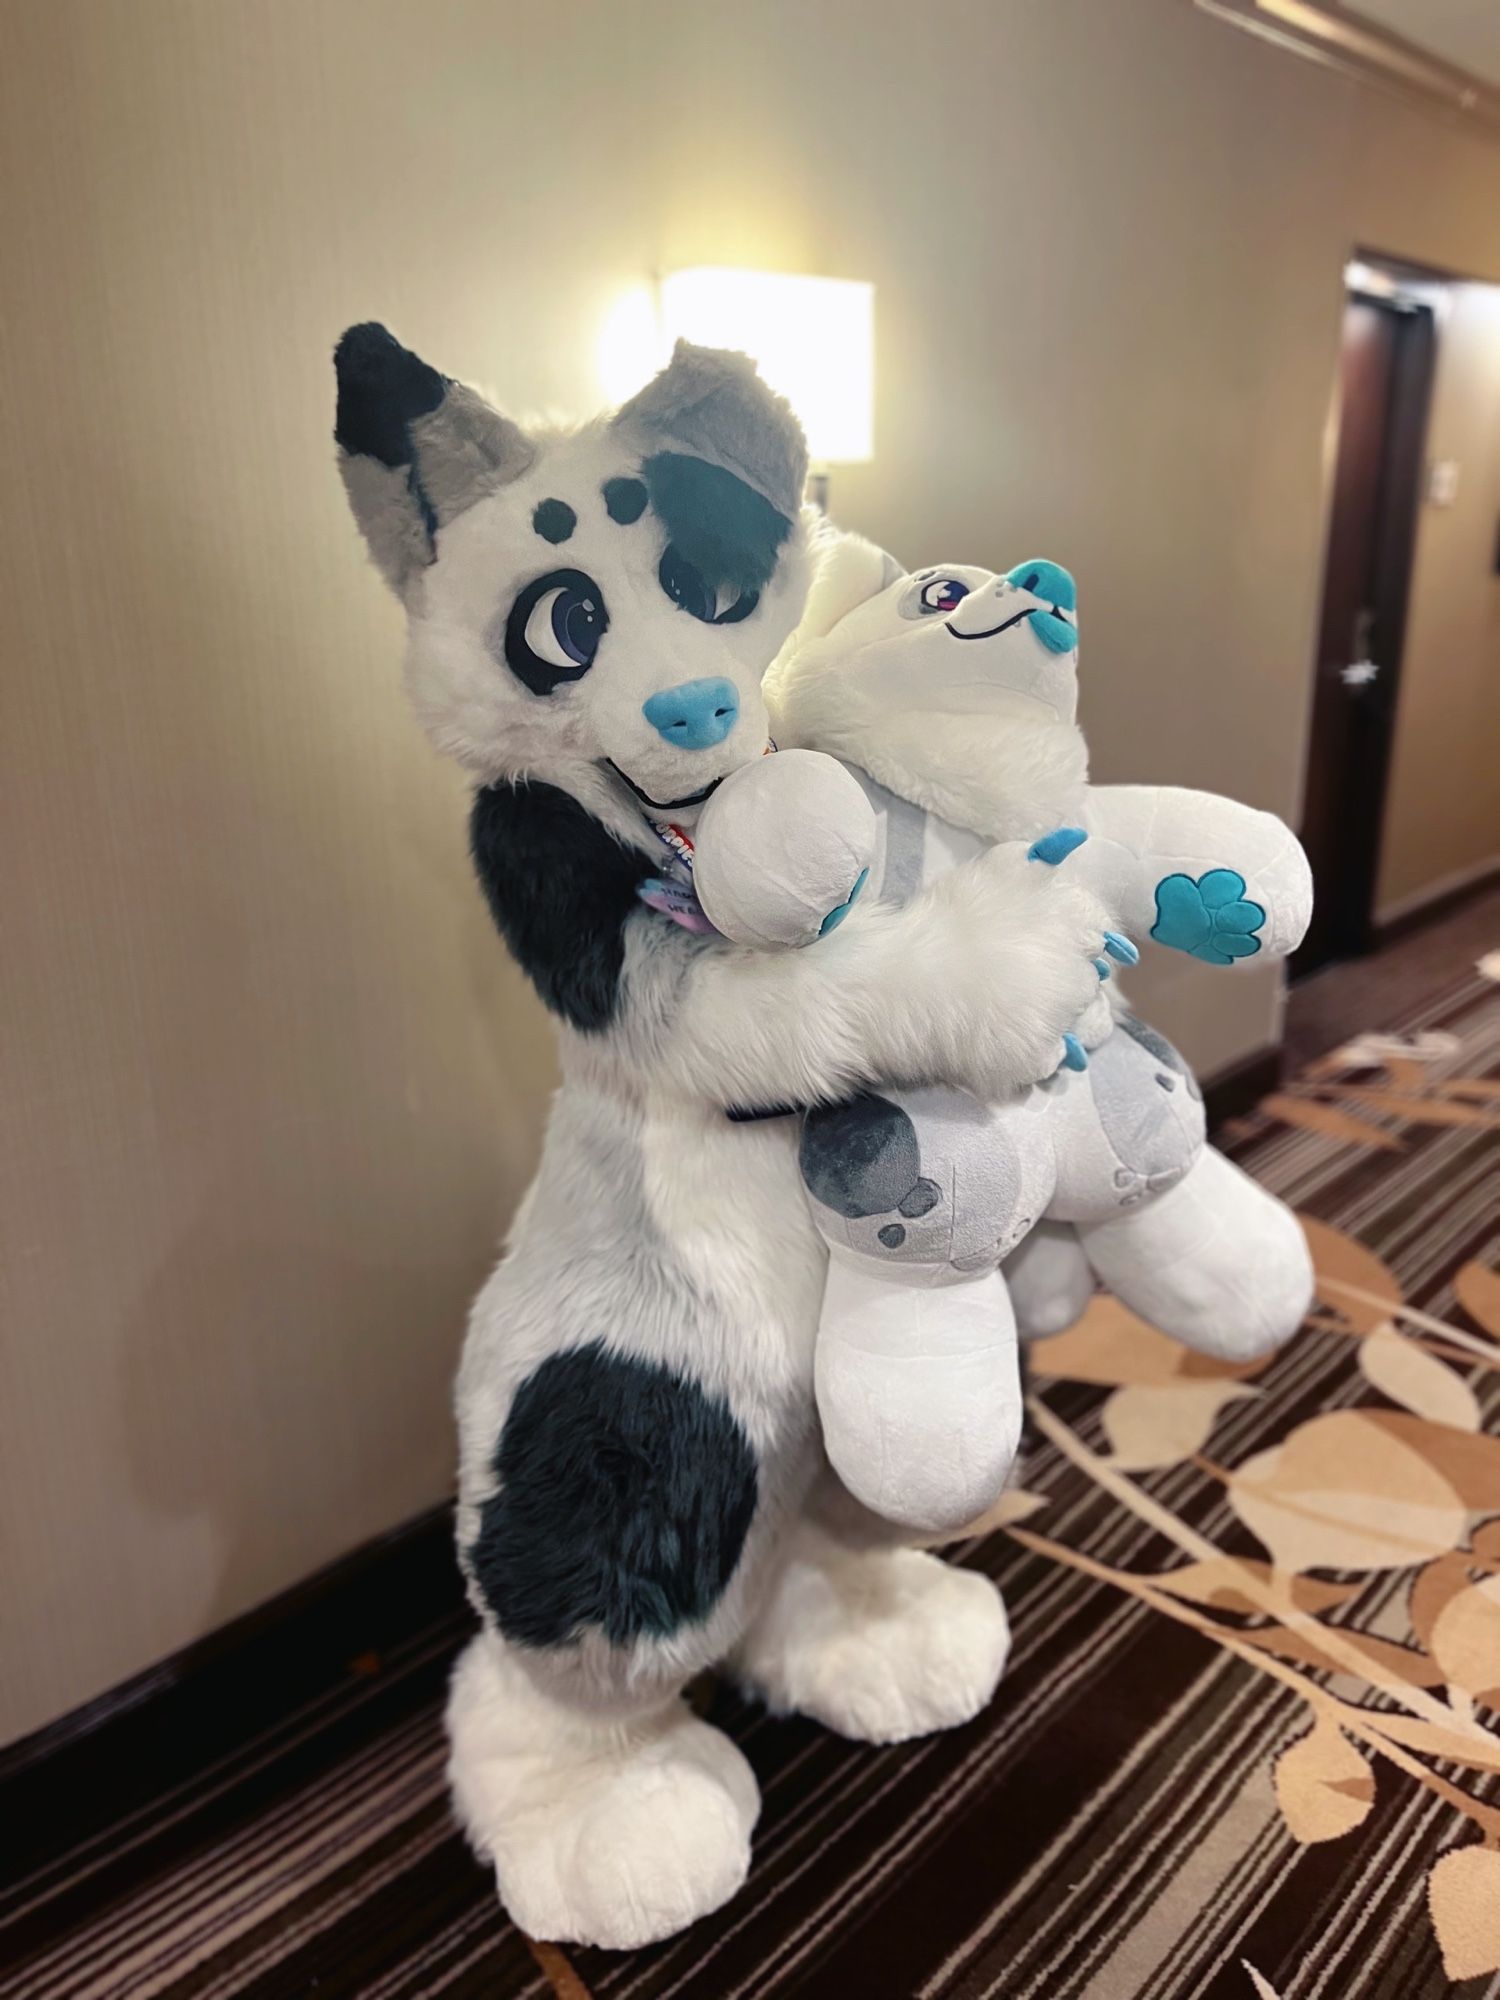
(590, 612)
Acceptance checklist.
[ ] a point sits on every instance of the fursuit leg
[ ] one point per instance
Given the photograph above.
(612, 1826)
(878, 1643)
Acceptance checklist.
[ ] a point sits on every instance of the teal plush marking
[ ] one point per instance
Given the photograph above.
(1209, 919)
(1056, 634)
(1046, 579)
(1051, 581)
(1055, 847)
(1120, 947)
(841, 910)
(1075, 1055)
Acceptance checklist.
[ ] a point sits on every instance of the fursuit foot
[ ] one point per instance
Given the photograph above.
(879, 1645)
(615, 1833)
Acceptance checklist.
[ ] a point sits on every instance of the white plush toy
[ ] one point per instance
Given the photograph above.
(951, 696)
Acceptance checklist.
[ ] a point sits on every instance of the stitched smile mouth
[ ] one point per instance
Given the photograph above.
(664, 805)
(1004, 626)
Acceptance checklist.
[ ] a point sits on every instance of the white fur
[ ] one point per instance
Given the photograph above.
(476, 710)
(611, 1815)
(972, 983)
(877, 1644)
(614, 1832)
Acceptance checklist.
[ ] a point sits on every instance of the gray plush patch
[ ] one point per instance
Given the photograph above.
(1157, 1045)
(1155, 1134)
(713, 405)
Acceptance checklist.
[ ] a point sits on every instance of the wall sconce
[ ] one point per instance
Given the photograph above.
(813, 338)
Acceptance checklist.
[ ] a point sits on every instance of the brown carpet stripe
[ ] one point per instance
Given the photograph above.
(1032, 1855)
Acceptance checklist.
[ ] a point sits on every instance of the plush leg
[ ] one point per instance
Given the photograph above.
(1050, 1279)
(1215, 1262)
(613, 1829)
(918, 1195)
(878, 1644)
(919, 1390)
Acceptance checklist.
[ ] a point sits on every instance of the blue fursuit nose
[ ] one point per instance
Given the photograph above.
(695, 715)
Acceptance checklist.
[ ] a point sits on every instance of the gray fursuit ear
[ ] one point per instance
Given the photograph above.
(414, 448)
(712, 405)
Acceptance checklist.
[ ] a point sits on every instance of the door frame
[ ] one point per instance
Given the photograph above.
(1351, 930)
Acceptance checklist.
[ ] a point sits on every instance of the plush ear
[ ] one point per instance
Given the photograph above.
(415, 448)
(724, 460)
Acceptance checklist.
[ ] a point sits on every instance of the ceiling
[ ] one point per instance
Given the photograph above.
(1465, 33)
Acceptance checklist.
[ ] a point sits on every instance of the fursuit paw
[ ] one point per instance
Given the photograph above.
(1026, 952)
(611, 1836)
(878, 1645)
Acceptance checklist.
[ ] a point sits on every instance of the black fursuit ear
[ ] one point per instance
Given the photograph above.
(415, 448)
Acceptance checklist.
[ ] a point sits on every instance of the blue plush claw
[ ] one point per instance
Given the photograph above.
(841, 910)
(1055, 847)
(1210, 919)
(1119, 947)
(1104, 969)
(1075, 1055)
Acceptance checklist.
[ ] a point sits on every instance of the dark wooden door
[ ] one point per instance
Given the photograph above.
(1385, 376)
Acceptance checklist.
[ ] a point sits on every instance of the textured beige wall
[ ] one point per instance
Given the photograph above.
(1443, 814)
(270, 1088)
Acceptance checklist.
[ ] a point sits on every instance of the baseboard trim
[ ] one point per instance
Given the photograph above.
(1440, 901)
(91, 1768)
(1231, 1092)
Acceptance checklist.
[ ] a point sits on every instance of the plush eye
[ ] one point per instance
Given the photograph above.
(690, 590)
(932, 593)
(552, 634)
(943, 593)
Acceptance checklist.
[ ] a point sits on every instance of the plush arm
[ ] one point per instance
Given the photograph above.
(972, 983)
(1196, 872)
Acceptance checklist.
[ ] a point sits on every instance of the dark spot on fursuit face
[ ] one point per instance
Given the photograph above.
(625, 1495)
(722, 547)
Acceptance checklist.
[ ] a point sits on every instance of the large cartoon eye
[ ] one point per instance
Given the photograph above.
(552, 634)
(690, 590)
(933, 595)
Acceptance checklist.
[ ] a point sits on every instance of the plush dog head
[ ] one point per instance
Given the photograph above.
(592, 607)
(952, 686)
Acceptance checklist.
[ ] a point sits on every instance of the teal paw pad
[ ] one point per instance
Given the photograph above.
(1210, 918)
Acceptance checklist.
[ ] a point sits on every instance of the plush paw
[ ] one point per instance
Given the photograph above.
(1209, 918)
(878, 1645)
(615, 1838)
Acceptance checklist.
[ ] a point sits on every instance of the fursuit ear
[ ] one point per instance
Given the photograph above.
(724, 460)
(415, 448)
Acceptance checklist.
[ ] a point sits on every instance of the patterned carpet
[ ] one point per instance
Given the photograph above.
(1248, 1747)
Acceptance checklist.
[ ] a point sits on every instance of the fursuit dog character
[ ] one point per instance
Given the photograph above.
(641, 1489)
(951, 695)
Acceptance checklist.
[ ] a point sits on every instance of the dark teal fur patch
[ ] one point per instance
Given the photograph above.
(724, 528)
(625, 1495)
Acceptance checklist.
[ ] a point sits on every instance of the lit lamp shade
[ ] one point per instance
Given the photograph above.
(814, 340)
